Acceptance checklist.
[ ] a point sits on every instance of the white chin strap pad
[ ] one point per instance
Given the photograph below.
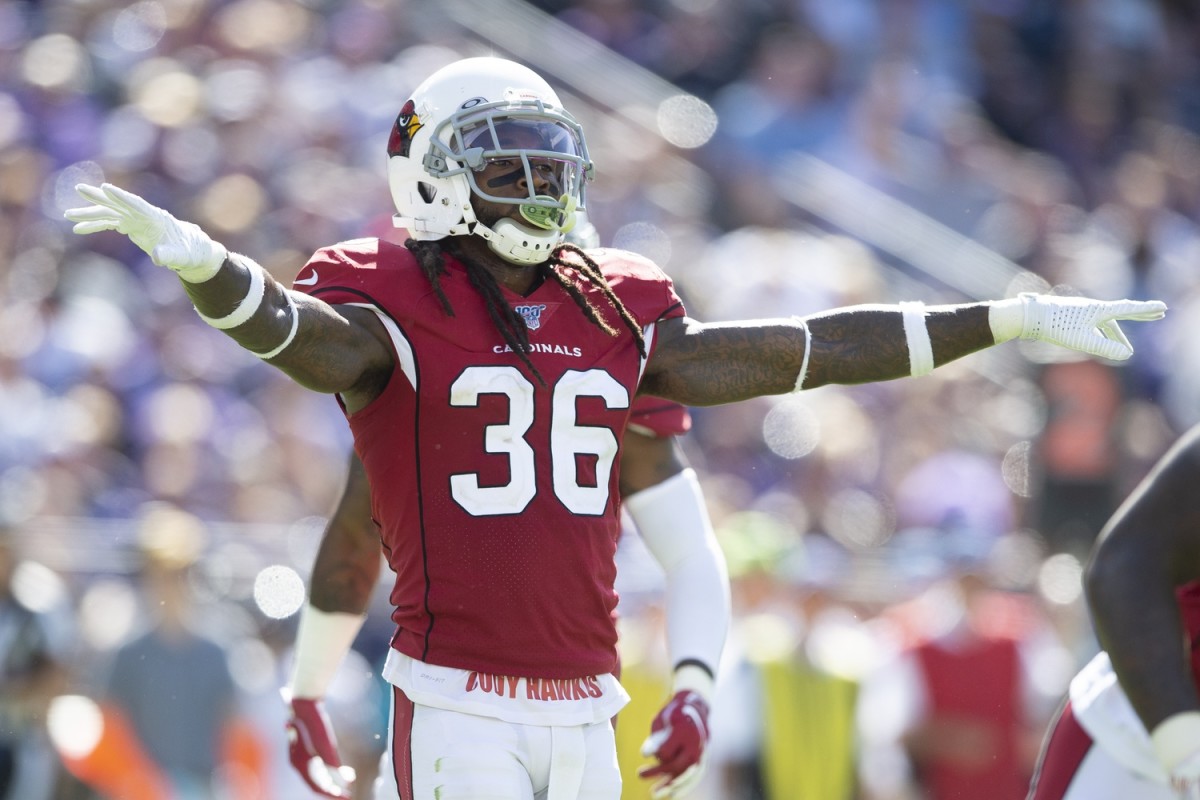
(519, 244)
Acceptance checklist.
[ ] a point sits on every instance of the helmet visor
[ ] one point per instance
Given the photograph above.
(545, 147)
(515, 134)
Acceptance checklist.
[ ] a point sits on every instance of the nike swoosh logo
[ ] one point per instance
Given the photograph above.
(306, 281)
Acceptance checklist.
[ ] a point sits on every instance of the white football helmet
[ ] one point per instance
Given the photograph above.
(460, 117)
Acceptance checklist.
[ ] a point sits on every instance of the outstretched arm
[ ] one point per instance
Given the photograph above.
(326, 348)
(1149, 548)
(705, 364)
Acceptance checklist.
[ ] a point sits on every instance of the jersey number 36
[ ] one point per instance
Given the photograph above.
(568, 439)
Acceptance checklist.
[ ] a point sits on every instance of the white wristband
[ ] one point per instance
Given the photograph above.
(245, 309)
(1176, 738)
(322, 642)
(1006, 318)
(916, 333)
(691, 678)
(291, 334)
(807, 350)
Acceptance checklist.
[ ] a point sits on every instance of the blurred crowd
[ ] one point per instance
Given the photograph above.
(162, 492)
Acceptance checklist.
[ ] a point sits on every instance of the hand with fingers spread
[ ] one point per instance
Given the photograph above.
(679, 736)
(180, 246)
(1078, 323)
(312, 749)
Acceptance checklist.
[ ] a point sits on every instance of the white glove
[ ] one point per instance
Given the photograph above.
(1176, 742)
(180, 246)
(1077, 323)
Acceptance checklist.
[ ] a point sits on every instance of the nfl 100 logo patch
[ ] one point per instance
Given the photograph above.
(532, 314)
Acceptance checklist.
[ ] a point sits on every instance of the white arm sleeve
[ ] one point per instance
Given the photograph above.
(322, 642)
(673, 521)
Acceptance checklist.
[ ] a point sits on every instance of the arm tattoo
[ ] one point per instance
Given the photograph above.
(344, 577)
(723, 363)
(346, 585)
(699, 364)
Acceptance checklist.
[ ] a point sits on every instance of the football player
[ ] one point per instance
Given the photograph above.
(487, 370)
(1131, 723)
(347, 568)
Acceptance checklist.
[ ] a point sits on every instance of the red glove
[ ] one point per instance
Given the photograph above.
(678, 737)
(312, 749)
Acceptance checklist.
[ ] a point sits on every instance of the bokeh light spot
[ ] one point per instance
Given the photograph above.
(278, 591)
(76, 725)
(140, 26)
(686, 121)
(791, 430)
(1060, 579)
(233, 203)
(55, 61)
(1015, 469)
(166, 94)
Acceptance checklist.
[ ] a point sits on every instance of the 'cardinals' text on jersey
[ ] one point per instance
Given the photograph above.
(496, 492)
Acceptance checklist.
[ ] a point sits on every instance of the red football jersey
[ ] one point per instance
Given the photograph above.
(497, 494)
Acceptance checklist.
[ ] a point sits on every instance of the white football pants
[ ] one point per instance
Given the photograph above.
(449, 755)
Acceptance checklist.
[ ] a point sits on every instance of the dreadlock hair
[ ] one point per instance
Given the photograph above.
(430, 256)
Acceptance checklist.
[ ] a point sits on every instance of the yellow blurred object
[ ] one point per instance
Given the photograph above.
(809, 748)
(649, 687)
(169, 537)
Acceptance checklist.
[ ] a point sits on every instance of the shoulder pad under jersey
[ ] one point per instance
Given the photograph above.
(643, 287)
(356, 271)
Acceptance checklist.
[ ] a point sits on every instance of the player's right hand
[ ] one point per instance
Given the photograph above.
(180, 246)
(312, 749)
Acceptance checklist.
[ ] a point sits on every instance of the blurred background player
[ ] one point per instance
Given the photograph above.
(486, 170)
(1131, 724)
(173, 669)
(35, 630)
(968, 706)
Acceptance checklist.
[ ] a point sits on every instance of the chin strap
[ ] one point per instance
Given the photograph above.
(517, 243)
(522, 244)
(531, 243)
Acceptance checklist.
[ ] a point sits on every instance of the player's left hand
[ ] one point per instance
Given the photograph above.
(1077, 323)
(180, 246)
(678, 739)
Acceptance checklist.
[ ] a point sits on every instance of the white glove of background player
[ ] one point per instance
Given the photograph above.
(180, 246)
(1176, 743)
(1078, 323)
(1185, 778)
